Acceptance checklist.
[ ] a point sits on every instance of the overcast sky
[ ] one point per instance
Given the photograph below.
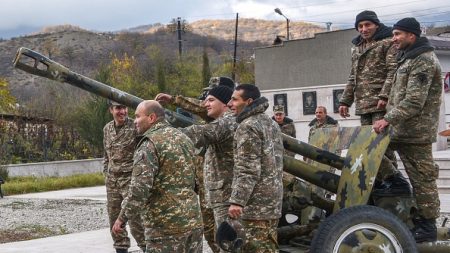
(18, 17)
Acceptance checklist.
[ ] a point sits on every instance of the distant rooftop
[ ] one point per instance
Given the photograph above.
(440, 41)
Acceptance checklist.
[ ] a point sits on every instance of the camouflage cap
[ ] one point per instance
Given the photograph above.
(114, 103)
(230, 235)
(278, 109)
(221, 80)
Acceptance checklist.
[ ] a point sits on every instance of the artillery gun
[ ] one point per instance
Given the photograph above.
(355, 221)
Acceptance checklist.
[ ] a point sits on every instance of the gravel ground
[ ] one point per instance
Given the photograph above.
(36, 218)
(25, 219)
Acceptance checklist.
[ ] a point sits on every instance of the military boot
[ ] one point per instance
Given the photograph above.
(121, 250)
(395, 185)
(424, 230)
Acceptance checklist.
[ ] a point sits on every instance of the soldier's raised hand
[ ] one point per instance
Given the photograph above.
(163, 98)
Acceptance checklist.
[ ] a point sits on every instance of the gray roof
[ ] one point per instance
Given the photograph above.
(440, 42)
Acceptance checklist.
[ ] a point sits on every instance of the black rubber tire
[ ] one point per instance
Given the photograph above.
(335, 231)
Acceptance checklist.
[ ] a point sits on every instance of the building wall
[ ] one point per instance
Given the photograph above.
(324, 97)
(56, 169)
(322, 60)
(320, 64)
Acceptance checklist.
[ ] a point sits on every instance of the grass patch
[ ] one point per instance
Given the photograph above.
(15, 205)
(29, 232)
(22, 185)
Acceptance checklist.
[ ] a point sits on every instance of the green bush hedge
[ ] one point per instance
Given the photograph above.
(22, 185)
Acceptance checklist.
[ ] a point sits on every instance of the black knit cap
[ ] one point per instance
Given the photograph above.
(228, 82)
(408, 25)
(367, 15)
(221, 92)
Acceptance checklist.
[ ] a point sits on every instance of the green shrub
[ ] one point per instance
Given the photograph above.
(22, 185)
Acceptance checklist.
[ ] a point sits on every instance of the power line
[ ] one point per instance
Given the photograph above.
(356, 10)
(394, 14)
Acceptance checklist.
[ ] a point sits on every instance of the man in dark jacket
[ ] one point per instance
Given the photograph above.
(322, 120)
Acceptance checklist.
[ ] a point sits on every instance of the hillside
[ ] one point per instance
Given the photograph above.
(84, 51)
(264, 31)
(81, 50)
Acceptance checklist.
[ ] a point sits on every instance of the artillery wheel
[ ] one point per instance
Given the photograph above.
(363, 229)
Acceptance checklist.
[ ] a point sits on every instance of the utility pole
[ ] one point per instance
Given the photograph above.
(233, 74)
(287, 28)
(180, 42)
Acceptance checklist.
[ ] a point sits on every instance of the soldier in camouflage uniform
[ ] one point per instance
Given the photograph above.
(162, 185)
(369, 85)
(257, 188)
(218, 137)
(197, 107)
(286, 124)
(322, 120)
(413, 113)
(119, 142)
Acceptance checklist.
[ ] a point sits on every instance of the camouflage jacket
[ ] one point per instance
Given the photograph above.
(287, 127)
(162, 183)
(315, 124)
(413, 107)
(119, 147)
(372, 70)
(219, 163)
(192, 105)
(258, 163)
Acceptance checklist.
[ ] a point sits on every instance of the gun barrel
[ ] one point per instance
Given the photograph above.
(37, 64)
(312, 152)
(321, 178)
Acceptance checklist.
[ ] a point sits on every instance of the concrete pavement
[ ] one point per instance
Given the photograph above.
(98, 241)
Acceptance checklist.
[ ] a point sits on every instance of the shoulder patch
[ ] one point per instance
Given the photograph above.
(422, 78)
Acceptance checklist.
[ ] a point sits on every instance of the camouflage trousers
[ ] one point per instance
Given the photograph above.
(422, 173)
(209, 228)
(389, 158)
(261, 236)
(116, 191)
(189, 242)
